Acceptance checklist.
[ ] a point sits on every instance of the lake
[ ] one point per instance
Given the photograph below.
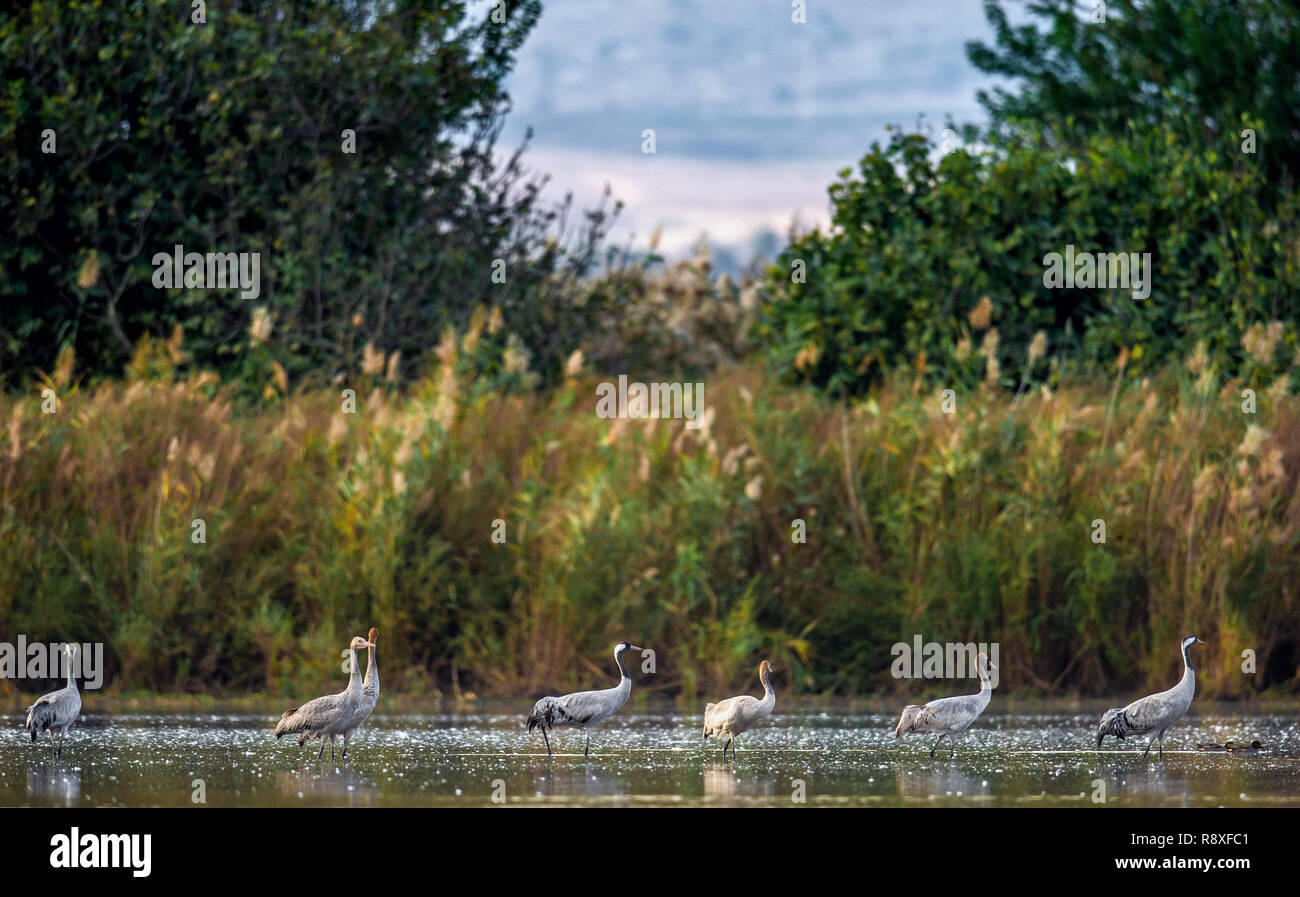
(832, 757)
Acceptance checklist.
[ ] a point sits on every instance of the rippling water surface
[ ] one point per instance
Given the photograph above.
(478, 758)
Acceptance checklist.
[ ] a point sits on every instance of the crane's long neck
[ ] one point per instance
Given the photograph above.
(354, 679)
(769, 693)
(624, 687)
(1189, 674)
(986, 687)
(372, 671)
(72, 675)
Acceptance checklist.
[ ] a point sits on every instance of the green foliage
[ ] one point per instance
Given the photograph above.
(971, 526)
(1118, 136)
(917, 244)
(1205, 61)
(229, 137)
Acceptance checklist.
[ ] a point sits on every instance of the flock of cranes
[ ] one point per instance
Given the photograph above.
(330, 716)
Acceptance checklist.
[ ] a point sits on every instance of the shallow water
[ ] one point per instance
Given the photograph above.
(828, 758)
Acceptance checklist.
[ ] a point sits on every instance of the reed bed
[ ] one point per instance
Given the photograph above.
(976, 525)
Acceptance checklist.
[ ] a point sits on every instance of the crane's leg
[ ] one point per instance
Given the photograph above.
(586, 744)
(1147, 752)
(1161, 755)
(321, 755)
(936, 746)
(548, 741)
(331, 748)
(345, 745)
(953, 742)
(53, 753)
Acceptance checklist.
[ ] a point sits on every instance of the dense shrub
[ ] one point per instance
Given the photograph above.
(228, 137)
(971, 526)
(938, 263)
(1072, 77)
(660, 321)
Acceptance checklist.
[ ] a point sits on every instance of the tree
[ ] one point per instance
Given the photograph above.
(939, 264)
(352, 145)
(1205, 63)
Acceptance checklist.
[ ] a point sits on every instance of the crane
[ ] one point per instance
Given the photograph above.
(369, 691)
(949, 716)
(584, 708)
(735, 715)
(58, 709)
(1154, 714)
(328, 716)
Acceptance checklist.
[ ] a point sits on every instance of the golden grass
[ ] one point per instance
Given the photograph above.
(971, 526)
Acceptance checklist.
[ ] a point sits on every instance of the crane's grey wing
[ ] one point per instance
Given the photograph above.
(915, 718)
(1157, 711)
(584, 706)
(57, 708)
(314, 715)
(578, 709)
(947, 711)
(552, 711)
(40, 716)
(42, 700)
(742, 708)
(53, 697)
(956, 712)
(715, 715)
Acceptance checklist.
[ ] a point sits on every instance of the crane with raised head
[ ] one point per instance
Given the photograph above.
(58, 709)
(584, 708)
(369, 690)
(949, 717)
(1154, 714)
(327, 716)
(735, 715)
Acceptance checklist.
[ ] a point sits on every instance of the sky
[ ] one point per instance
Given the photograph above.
(753, 114)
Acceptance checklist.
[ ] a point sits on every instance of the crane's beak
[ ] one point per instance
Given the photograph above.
(368, 645)
(1199, 642)
(631, 647)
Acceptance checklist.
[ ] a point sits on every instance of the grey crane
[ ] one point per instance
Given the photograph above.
(328, 716)
(949, 716)
(1154, 714)
(735, 715)
(369, 691)
(583, 708)
(58, 709)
